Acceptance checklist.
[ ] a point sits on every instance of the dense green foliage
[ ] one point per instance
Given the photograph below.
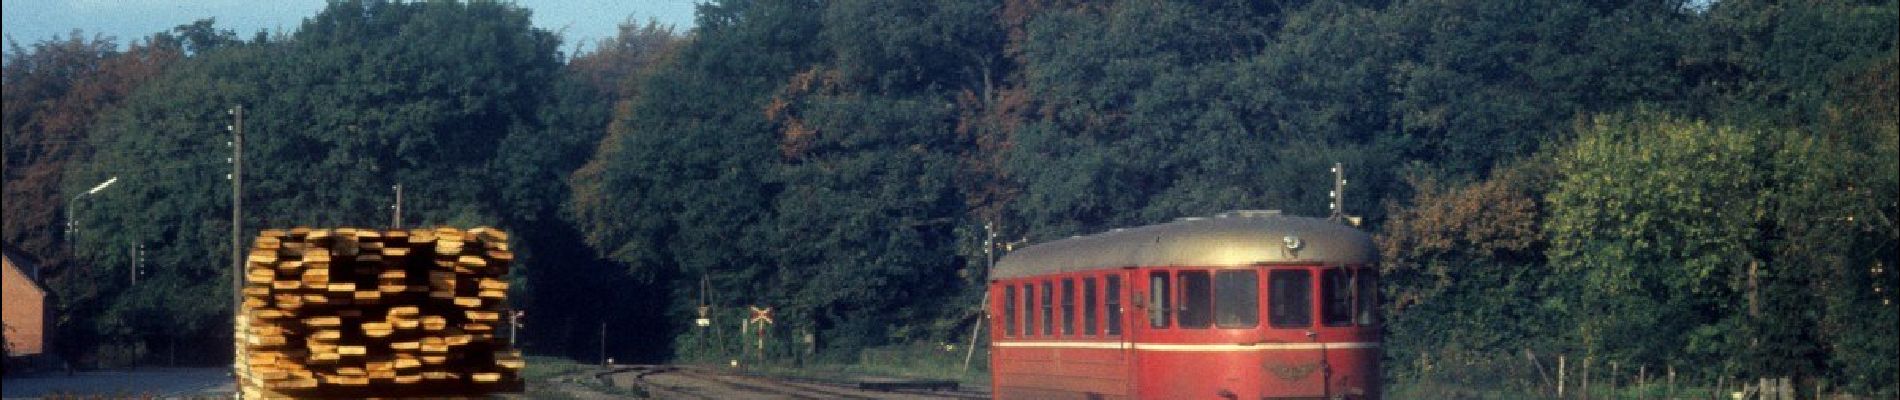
(1710, 187)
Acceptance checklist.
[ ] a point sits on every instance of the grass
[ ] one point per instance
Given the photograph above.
(1444, 390)
(541, 368)
(914, 361)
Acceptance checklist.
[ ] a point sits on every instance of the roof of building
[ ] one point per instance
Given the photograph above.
(1232, 239)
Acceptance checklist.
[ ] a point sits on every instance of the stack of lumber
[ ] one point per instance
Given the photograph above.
(352, 313)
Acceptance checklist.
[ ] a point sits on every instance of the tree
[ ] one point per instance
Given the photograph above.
(546, 182)
(1479, 82)
(683, 193)
(1703, 244)
(56, 92)
(1464, 274)
(363, 96)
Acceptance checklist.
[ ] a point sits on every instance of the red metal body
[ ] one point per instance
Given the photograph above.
(1051, 337)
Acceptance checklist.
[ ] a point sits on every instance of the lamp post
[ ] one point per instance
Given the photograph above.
(72, 225)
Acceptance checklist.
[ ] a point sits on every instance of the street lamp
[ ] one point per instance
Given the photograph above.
(71, 224)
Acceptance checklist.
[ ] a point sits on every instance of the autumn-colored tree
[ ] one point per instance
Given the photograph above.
(55, 89)
(1464, 272)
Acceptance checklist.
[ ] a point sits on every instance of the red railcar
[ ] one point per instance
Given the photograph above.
(1245, 305)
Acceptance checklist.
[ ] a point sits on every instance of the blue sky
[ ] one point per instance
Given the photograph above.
(28, 21)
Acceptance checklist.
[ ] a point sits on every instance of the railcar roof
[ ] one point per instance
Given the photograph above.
(1230, 239)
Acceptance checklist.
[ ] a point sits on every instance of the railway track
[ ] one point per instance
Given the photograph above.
(689, 382)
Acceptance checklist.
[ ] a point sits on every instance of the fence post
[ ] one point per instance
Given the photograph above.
(1560, 376)
(1614, 371)
(1583, 387)
(1642, 380)
(1672, 381)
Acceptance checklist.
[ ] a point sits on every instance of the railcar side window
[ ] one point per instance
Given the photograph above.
(1048, 308)
(1336, 297)
(1009, 311)
(1196, 299)
(1088, 306)
(1114, 288)
(1068, 307)
(1290, 299)
(1029, 309)
(1237, 299)
(1158, 299)
(1368, 297)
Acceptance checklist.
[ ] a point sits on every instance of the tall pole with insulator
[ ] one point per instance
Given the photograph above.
(237, 213)
(1337, 196)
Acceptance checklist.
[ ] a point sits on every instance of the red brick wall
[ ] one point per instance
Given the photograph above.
(24, 312)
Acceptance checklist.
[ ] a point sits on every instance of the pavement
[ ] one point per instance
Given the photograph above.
(143, 382)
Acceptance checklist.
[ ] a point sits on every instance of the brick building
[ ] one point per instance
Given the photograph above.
(24, 303)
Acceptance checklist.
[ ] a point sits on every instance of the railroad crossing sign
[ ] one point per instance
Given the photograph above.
(760, 318)
(761, 315)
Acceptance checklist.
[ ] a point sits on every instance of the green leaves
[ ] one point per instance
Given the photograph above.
(1607, 177)
(365, 96)
(1674, 226)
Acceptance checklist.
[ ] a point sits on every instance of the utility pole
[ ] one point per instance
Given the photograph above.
(397, 219)
(603, 343)
(237, 209)
(983, 308)
(138, 262)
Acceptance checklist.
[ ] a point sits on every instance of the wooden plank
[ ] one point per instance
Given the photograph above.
(485, 377)
(378, 329)
(326, 322)
(483, 316)
(434, 323)
(260, 275)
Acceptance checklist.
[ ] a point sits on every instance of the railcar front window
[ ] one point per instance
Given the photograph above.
(1158, 299)
(1088, 306)
(1009, 311)
(1196, 299)
(1048, 308)
(1114, 304)
(1237, 299)
(1290, 299)
(1336, 297)
(1368, 297)
(1029, 309)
